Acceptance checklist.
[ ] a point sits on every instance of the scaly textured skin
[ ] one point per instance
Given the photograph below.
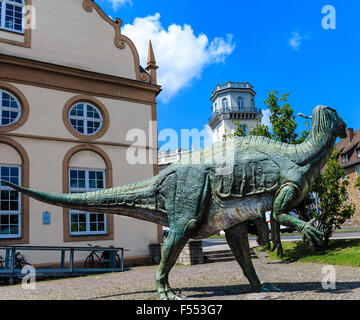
(220, 188)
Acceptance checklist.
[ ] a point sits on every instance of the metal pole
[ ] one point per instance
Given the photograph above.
(71, 259)
(62, 258)
(307, 119)
(7, 258)
(122, 259)
(12, 265)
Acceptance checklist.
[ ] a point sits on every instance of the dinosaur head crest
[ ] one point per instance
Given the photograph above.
(327, 120)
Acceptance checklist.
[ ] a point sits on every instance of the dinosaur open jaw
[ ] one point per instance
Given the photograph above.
(343, 135)
(342, 132)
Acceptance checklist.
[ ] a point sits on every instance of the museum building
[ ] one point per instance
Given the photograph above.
(71, 88)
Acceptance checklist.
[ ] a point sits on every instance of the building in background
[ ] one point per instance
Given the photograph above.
(233, 101)
(70, 90)
(349, 149)
(165, 158)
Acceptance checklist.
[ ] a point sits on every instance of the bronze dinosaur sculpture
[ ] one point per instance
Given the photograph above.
(219, 188)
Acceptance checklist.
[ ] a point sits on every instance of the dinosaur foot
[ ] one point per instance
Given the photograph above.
(167, 293)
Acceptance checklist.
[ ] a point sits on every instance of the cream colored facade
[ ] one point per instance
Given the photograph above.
(64, 33)
(76, 54)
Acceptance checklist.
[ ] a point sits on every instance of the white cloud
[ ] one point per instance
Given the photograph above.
(266, 118)
(118, 3)
(180, 54)
(296, 40)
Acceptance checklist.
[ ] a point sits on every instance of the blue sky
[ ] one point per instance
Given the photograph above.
(274, 45)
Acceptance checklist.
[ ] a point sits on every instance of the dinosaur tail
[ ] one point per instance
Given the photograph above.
(133, 200)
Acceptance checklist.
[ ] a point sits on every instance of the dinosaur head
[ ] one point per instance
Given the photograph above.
(329, 120)
(339, 123)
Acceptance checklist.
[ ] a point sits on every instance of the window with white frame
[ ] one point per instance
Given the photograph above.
(240, 103)
(11, 15)
(225, 104)
(10, 203)
(345, 157)
(358, 153)
(85, 118)
(86, 223)
(10, 109)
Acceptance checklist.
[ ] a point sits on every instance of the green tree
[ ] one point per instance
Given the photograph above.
(239, 131)
(261, 130)
(331, 190)
(357, 183)
(282, 118)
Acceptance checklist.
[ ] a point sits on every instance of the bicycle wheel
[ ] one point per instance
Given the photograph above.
(118, 261)
(89, 261)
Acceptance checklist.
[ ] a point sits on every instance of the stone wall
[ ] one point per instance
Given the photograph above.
(190, 255)
(354, 195)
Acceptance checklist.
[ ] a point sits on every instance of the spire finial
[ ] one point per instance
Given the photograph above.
(151, 57)
(151, 64)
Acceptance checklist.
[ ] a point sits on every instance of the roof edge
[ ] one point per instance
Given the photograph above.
(120, 40)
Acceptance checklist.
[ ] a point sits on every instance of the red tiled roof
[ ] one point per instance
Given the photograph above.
(345, 145)
(349, 145)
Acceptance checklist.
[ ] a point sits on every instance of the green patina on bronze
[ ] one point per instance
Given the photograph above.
(220, 188)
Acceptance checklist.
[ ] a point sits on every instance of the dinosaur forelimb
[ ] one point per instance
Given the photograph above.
(282, 205)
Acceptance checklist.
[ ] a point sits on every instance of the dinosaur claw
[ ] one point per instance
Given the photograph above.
(311, 233)
(169, 294)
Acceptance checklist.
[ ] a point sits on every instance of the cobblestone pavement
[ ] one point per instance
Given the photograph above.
(222, 280)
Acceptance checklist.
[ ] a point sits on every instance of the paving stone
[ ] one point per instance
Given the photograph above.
(213, 281)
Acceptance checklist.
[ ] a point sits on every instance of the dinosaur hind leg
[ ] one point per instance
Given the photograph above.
(275, 237)
(237, 238)
(173, 245)
(263, 233)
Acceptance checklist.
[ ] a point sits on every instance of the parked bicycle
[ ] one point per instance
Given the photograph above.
(19, 261)
(104, 259)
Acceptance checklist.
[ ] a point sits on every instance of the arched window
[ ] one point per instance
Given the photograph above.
(240, 103)
(10, 202)
(86, 180)
(10, 109)
(14, 207)
(85, 118)
(11, 15)
(86, 168)
(225, 104)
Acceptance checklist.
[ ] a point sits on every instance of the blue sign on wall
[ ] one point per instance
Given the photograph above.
(46, 217)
